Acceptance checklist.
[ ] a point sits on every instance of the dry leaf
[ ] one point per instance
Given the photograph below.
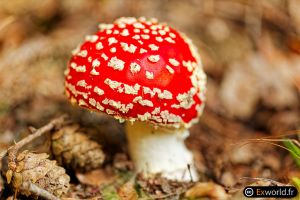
(96, 177)
(207, 189)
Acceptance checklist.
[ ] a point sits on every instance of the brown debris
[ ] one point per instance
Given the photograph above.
(81, 191)
(74, 149)
(122, 162)
(158, 187)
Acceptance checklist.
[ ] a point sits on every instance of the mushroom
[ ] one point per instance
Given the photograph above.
(149, 75)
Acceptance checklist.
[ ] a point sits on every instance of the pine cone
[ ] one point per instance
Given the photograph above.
(39, 170)
(74, 149)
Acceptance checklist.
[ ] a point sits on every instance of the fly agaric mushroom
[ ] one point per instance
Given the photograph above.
(149, 75)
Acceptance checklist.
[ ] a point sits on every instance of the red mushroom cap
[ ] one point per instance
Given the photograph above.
(136, 69)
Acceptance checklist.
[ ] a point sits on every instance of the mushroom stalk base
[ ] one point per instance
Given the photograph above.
(160, 150)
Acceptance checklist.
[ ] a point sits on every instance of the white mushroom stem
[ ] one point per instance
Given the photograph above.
(160, 150)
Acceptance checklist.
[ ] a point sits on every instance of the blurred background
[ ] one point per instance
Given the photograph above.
(250, 51)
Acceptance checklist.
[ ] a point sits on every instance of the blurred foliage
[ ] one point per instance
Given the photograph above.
(294, 150)
(109, 193)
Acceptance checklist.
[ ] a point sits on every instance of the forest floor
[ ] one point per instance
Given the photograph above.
(250, 51)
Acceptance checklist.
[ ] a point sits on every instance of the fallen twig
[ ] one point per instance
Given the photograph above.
(35, 134)
(12, 151)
